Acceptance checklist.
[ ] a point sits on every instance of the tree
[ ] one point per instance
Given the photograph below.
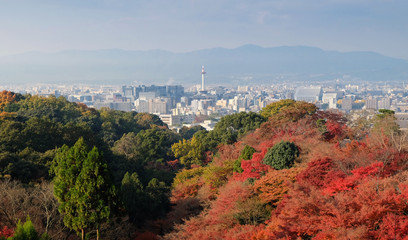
(281, 155)
(245, 155)
(133, 197)
(234, 126)
(189, 151)
(25, 231)
(82, 187)
(288, 110)
(188, 132)
(275, 108)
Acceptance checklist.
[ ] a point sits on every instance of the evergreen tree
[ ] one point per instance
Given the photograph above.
(134, 198)
(281, 155)
(82, 187)
(25, 231)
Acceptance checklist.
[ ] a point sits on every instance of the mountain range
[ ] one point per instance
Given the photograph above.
(243, 65)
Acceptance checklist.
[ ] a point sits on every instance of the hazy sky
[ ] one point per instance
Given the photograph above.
(182, 25)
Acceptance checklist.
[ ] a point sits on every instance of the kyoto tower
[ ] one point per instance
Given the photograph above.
(202, 78)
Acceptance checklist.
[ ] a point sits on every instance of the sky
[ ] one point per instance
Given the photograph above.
(186, 25)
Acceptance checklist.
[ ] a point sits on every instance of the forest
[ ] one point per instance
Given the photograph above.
(290, 172)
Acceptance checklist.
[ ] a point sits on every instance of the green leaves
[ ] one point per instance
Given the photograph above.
(281, 155)
(82, 186)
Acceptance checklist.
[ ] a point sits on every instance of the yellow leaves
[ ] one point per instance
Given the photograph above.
(189, 151)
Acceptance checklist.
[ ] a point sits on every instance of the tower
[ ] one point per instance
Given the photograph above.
(202, 78)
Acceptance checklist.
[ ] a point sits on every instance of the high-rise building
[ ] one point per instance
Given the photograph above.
(202, 78)
(371, 103)
(384, 103)
(347, 104)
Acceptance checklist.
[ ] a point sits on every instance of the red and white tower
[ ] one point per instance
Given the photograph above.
(202, 78)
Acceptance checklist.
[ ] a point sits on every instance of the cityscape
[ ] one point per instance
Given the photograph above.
(179, 106)
(203, 120)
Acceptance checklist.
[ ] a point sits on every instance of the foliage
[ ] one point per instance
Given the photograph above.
(281, 155)
(234, 126)
(6, 232)
(384, 123)
(252, 212)
(82, 187)
(246, 155)
(187, 183)
(133, 197)
(188, 132)
(25, 231)
(288, 109)
(254, 168)
(272, 187)
(190, 152)
(144, 203)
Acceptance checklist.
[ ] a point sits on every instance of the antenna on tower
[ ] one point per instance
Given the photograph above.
(202, 78)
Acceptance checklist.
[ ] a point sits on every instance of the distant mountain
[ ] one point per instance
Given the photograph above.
(242, 65)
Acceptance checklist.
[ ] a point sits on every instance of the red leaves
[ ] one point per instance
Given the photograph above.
(253, 168)
(316, 172)
(337, 189)
(350, 182)
(6, 232)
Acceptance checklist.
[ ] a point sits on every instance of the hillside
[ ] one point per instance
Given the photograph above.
(289, 172)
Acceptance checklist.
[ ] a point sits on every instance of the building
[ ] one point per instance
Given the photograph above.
(347, 104)
(402, 120)
(170, 120)
(141, 105)
(330, 99)
(158, 105)
(371, 103)
(308, 94)
(121, 106)
(384, 103)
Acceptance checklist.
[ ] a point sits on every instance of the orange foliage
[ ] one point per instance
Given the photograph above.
(6, 97)
(337, 189)
(274, 185)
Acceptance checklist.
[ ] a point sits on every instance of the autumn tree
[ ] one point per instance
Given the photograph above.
(281, 155)
(82, 187)
(288, 109)
(189, 152)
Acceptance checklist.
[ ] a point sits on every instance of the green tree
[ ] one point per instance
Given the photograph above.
(25, 231)
(158, 194)
(188, 132)
(385, 123)
(134, 198)
(234, 126)
(82, 187)
(246, 154)
(281, 155)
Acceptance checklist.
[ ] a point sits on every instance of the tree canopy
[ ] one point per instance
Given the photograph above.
(82, 186)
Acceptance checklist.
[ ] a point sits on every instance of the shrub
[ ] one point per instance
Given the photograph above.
(281, 155)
